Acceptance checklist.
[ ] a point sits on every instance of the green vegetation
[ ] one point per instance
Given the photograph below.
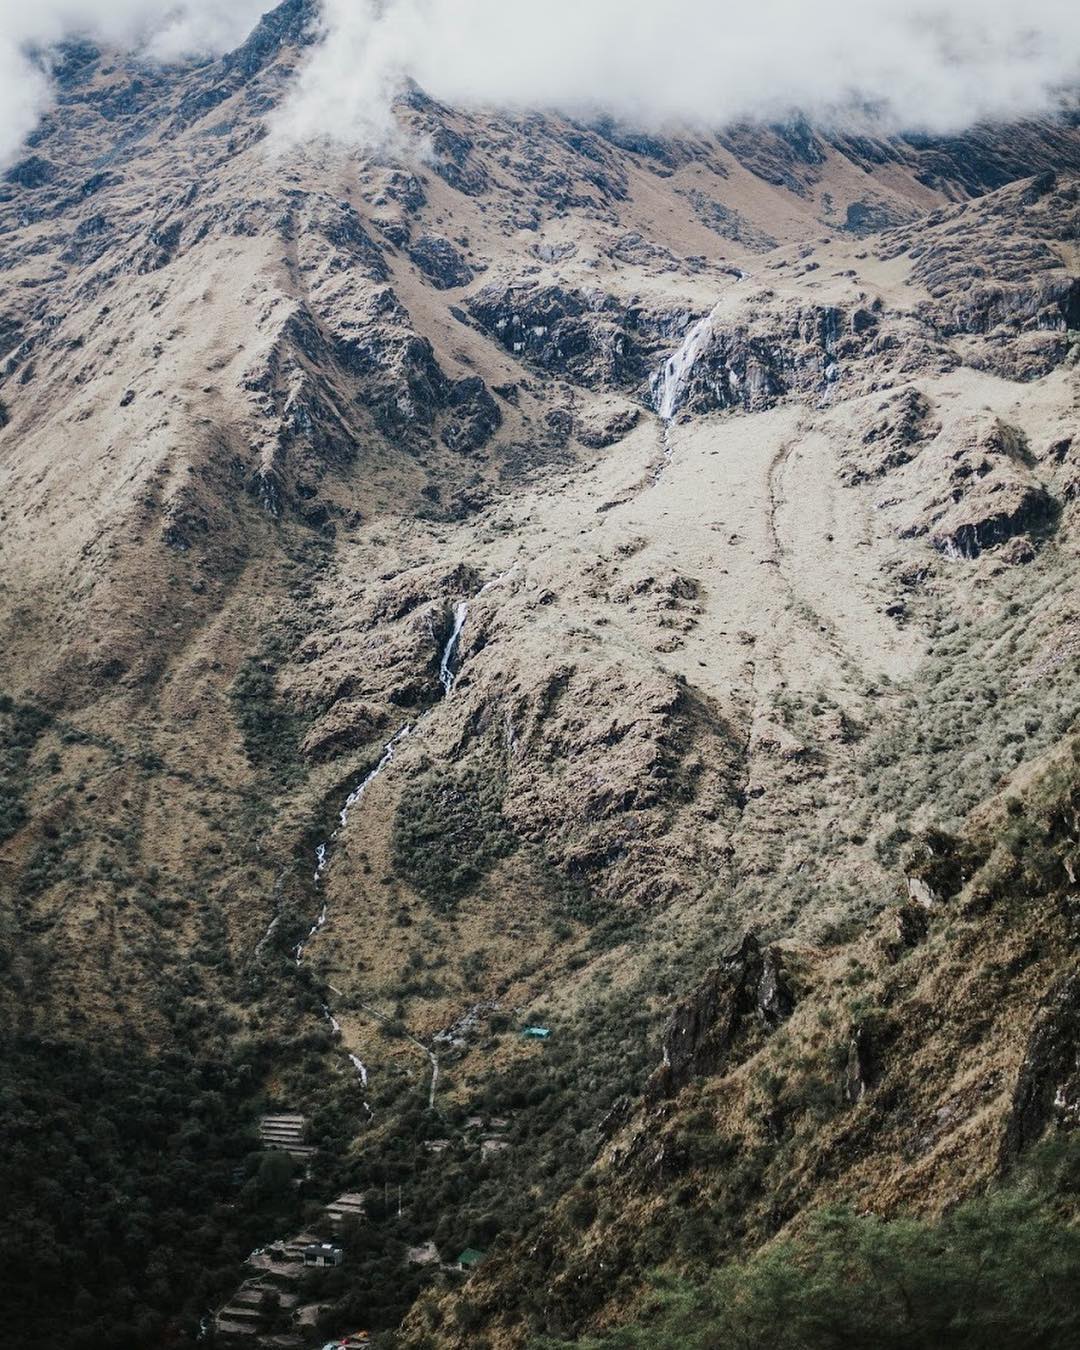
(20, 727)
(552, 1103)
(997, 691)
(999, 1271)
(131, 1185)
(272, 731)
(449, 830)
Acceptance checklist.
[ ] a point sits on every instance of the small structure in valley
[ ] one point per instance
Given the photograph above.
(322, 1254)
(469, 1257)
(536, 1033)
(286, 1133)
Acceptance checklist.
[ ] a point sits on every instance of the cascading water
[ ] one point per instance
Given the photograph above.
(669, 384)
(446, 665)
(322, 852)
(447, 673)
(315, 928)
(388, 758)
(447, 676)
(354, 1060)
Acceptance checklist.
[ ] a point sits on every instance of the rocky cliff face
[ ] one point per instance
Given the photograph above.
(506, 575)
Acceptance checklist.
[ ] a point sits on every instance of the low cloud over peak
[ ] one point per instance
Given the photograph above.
(927, 65)
(160, 30)
(893, 64)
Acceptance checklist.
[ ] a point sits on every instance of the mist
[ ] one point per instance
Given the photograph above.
(885, 65)
(154, 29)
(882, 64)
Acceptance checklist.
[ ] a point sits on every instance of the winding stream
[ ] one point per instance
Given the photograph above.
(447, 678)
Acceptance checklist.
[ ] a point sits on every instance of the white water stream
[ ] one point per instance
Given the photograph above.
(446, 665)
(447, 677)
(447, 673)
(669, 383)
(322, 852)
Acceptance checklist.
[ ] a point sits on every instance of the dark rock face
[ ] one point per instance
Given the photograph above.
(291, 21)
(894, 437)
(795, 350)
(985, 491)
(748, 988)
(1050, 303)
(800, 136)
(73, 61)
(775, 1001)
(588, 337)
(1028, 508)
(728, 224)
(861, 1064)
(453, 160)
(936, 868)
(32, 172)
(869, 217)
(638, 142)
(441, 263)
(474, 415)
(994, 272)
(610, 431)
(340, 225)
(912, 925)
(1048, 1087)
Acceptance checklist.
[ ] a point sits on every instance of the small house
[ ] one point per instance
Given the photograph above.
(323, 1254)
(469, 1257)
(536, 1033)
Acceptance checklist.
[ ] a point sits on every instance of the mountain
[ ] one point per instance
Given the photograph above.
(551, 576)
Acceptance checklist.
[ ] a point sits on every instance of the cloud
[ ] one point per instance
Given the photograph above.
(935, 65)
(931, 65)
(155, 29)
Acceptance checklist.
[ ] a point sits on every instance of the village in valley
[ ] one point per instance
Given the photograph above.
(281, 1300)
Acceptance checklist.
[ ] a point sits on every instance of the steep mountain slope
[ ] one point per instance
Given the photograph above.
(472, 587)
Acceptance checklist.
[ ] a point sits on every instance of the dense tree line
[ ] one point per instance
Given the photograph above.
(132, 1190)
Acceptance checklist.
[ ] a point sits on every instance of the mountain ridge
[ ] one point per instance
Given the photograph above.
(654, 538)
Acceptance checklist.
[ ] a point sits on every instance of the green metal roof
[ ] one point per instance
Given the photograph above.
(470, 1257)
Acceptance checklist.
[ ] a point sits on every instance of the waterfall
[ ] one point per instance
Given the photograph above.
(322, 852)
(447, 674)
(315, 928)
(669, 384)
(497, 581)
(361, 788)
(446, 665)
(354, 1060)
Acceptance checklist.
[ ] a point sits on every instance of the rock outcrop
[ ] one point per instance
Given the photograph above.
(748, 990)
(1047, 1092)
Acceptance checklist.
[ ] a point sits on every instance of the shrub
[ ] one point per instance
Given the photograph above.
(449, 830)
(998, 1271)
